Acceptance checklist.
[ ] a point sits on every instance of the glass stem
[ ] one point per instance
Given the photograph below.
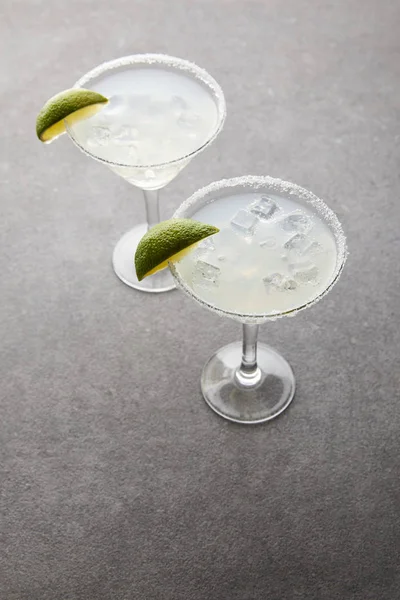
(151, 198)
(248, 374)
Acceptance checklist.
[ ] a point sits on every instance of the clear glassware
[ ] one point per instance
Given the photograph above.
(249, 382)
(148, 177)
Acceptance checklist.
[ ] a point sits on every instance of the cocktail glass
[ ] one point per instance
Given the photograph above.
(162, 112)
(280, 249)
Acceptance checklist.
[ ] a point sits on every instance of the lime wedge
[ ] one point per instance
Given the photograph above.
(168, 241)
(76, 104)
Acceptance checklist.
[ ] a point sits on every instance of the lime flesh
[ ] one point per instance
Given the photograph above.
(167, 242)
(75, 104)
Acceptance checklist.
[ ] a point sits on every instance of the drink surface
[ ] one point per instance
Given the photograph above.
(272, 255)
(154, 116)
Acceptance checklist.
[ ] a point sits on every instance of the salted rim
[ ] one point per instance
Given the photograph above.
(168, 61)
(254, 182)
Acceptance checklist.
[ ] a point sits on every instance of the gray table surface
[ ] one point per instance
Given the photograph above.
(118, 482)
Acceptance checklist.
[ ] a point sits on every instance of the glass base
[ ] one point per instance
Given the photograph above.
(124, 264)
(245, 400)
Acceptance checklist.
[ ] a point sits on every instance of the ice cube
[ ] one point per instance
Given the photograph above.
(125, 135)
(244, 223)
(178, 106)
(298, 243)
(269, 242)
(302, 245)
(189, 121)
(206, 274)
(273, 282)
(297, 222)
(264, 208)
(99, 136)
(205, 246)
(313, 248)
(304, 272)
(290, 284)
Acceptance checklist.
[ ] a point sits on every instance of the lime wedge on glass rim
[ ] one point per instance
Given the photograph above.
(168, 241)
(75, 104)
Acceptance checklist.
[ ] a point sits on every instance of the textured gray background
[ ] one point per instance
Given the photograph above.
(117, 481)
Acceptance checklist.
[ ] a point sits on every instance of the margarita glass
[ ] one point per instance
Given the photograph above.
(280, 249)
(162, 111)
